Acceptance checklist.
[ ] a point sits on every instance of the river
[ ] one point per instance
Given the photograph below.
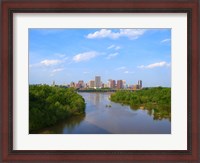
(105, 117)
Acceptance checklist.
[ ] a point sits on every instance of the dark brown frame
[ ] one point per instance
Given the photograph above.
(9, 7)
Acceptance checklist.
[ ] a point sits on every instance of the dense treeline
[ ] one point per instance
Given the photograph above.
(156, 100)
(49, 105)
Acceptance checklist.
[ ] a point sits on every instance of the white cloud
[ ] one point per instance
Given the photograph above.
(106, 33)
(117, 47)
(85, 56)
(50, 62)
(111, 46)
(114, 47)
(121, 68)
(54, 71)
(112, 55)
(57, 70)
(166, 40)
(128, 72)
(46, 62)
(62, 56)
(158, 64)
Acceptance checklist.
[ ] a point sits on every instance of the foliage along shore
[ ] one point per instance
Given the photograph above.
(156, 100)
(50, 105)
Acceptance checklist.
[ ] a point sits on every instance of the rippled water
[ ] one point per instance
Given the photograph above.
(106, 117)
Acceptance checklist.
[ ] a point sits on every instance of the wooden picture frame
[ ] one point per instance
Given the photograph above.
(191, 7)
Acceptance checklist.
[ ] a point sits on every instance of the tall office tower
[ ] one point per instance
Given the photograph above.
(97, 82)
(109, 83)
(91, 84)
(72, 84)
(53, 83)
(124, 84)
(86, 85)
(81, 84)
(112, 84)
(119, 84)
(136, 87)
(140, 84)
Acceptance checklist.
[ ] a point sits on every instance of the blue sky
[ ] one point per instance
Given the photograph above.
(65, 55)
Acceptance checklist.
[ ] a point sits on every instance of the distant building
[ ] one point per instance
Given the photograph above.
(119, 84)
(105, 85)
(80, 84)
(91, 84)
(86, 85)
(112, 84)
(72, 84)
(124, 84)
(53, 83)
(97, 82)
(136, 87)
(140, 84)
(109, 83)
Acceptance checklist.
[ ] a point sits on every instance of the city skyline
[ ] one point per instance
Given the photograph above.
(97, 83)
(66, 55)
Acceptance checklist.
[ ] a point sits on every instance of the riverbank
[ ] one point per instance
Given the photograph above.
(156, 100)
(50, 105)
(117, 119)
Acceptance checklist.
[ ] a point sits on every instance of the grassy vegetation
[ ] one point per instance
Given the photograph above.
(156, 100)
(49, 105)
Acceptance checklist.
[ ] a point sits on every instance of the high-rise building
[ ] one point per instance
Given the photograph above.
(135, 87)
(72, 84)
(140, 84)
(112, 84)
(124, 84)
(109, 83)
(53, 83)
(80, 84)
(86, 85)
(119, 84)
(97, 82)
(105, 85)
(91, 84)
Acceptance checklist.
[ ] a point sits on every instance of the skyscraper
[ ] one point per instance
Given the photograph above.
(119, 84)
(124, 84)
(81, 83)
(140, 84)
(91, 84)
(136, 87)
(53, 83)
(72, 84)
(112, 84)
(97, 82)
(109, 83)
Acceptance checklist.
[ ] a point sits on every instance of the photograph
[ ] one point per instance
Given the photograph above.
(99, 81)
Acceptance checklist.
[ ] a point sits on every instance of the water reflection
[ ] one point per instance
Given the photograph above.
(71, 123)
(116, 119)
(95, 98)
(68, 124)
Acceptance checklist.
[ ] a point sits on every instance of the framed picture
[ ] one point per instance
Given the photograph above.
(100, 80)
